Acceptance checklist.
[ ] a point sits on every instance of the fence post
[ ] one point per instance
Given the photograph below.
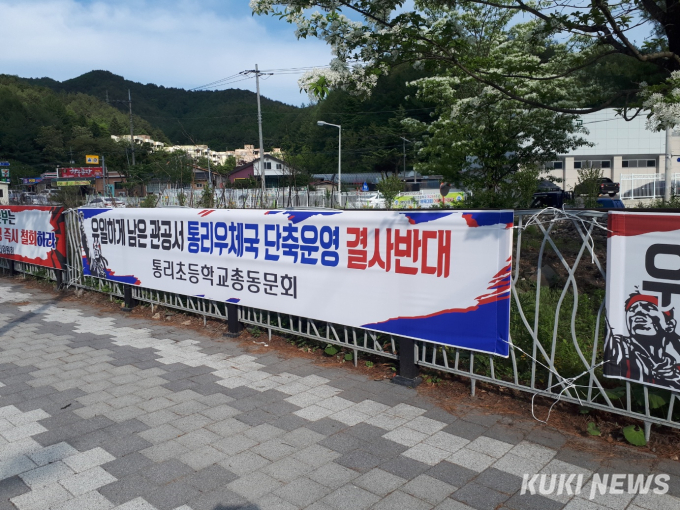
(234, 327)
(408, 370)
(12, 271)
(129, 300)
(59, 276)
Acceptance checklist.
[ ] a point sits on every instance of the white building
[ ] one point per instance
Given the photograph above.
(620, 148)
(242, 156)
(4, 193)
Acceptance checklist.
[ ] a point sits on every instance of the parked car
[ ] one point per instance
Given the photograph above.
(606, 187)
(549, 194)
(610, 203)
(105, 202)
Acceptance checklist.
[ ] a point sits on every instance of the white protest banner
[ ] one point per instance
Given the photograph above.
(643, 293)
(437, 276)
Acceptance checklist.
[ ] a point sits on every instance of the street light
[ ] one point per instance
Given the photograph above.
(322, 123)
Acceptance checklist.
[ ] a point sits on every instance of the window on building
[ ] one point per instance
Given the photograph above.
(556, 165)
(278, 166)
(638, 163)
(267, 166)
(577, 164)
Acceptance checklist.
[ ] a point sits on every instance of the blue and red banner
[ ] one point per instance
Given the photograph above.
(439, 276)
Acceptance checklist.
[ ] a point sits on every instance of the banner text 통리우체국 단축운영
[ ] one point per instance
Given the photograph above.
(643, 297)
(33, 234)
(437, 276)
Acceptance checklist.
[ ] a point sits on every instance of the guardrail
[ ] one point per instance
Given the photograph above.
(557, 321)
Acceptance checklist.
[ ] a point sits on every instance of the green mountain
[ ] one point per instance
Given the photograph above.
(225, 119)
(45, 123)
(41, 128)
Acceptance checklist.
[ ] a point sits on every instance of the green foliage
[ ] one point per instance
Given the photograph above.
(634, 435)
(593, 430)
(331, 350)
(369, 364)
(207, 197)
(349, 356)
(149, 201)
(70, 197)
(659, 203)
(588, 186)
(390, 187)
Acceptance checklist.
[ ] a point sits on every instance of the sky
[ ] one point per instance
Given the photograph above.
(175, 43)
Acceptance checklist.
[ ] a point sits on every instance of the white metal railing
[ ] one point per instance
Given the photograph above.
(645, 186)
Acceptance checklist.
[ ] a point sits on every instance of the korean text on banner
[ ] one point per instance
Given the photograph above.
(33, 234)
(90, 172)
(443, 277)
(643, 298)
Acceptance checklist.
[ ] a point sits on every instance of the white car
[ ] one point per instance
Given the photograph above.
(105, 202)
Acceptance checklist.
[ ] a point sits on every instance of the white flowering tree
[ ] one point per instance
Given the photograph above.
(369, 37)
(663, 103)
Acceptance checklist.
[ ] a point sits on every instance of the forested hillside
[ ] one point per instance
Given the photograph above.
(46, 123)
(40, 128)
(224, 120)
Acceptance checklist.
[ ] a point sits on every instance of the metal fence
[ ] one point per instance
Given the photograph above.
(644, 186)
(557, 321)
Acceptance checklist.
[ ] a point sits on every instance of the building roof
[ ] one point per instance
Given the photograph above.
(252, 163)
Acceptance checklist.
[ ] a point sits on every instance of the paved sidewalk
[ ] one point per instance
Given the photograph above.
(112, 412)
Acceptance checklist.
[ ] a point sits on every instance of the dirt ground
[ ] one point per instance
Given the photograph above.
(449, 392)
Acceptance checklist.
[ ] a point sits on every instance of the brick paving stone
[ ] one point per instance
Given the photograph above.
(359, 460)
(333, 475)
(402, 501)
(253, 485)
(125, 411)
(350, 497)
(302, 492)
(429, 489)
(480, 497)
(379, 482)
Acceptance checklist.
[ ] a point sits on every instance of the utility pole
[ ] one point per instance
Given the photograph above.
(669, 164)
(104, 175)
(409, 141)
(259, 123)
(132, 131)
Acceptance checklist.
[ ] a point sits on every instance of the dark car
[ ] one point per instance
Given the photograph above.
(605, 184)
(549, 194)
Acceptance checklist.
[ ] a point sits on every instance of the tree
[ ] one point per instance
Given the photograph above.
(480, 139)
(558, 40)
(390, 187)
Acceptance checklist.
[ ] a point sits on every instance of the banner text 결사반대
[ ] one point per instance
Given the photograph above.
(443, 276)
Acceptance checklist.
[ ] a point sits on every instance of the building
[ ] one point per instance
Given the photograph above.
(242, 156)
(274, 171)
(620, 148)
(4, 193)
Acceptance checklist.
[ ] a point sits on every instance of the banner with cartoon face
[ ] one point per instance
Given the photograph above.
(437, 276)
(33, 234)
(643, 298)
